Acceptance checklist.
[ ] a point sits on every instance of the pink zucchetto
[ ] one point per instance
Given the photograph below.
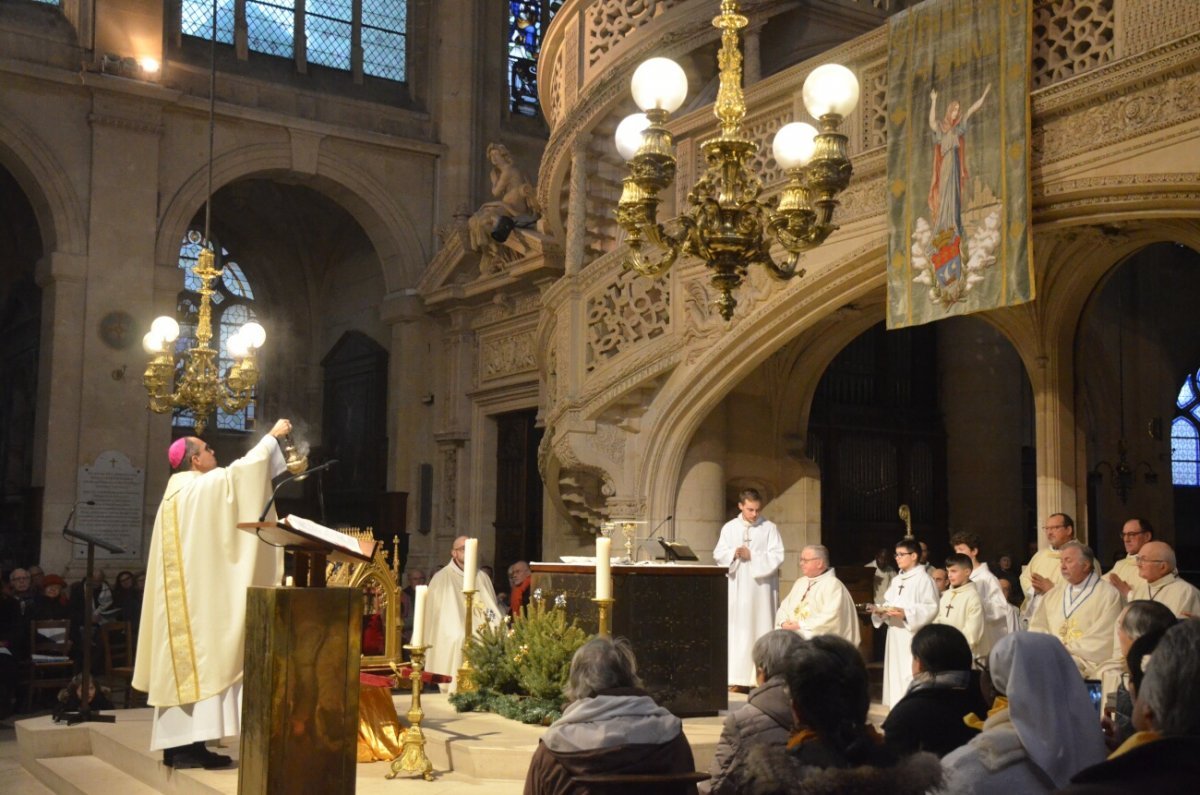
(176, 452)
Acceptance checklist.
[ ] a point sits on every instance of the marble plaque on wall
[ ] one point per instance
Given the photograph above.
(116, 488)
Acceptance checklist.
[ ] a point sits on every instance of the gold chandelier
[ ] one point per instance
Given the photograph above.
(727, 225)
(200, 386)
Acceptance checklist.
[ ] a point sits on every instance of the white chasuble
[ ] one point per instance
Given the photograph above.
(995, 608)
(753, 589)
(1046, 562)
(821, 605)
(446, 618)
(1082, 617)
(191, 637)
(914, 591)
(1179, 595)
(962, 609)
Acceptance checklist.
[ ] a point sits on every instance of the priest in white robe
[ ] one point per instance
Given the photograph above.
(819, 603)
(447, 612)
(995, 603)
(1081, 611)
(191, 637)
(1124, 575)
(1043, 571)
(960, 606)
(910, 603)
(1160, 582)
(751, 548)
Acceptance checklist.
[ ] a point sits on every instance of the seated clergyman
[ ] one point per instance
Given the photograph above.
(1081, 611)
(818, 603)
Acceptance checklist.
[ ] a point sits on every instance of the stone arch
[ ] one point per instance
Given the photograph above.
(387, 225)
(60, 213)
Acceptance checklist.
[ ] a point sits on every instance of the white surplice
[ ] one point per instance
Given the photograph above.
(1082, 617)
(821, 605)
(962, 609)
(995, 607)
(1126, 568)
(753, 589)
(914, 591)
(446, 615)
(192, 632)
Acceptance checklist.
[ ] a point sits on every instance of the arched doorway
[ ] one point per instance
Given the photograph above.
(1138, 353)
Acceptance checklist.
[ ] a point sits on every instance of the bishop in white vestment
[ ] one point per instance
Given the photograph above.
(191, 637)
(818, 604)
(447, 612)
(752, 550)
(1081, 611)
(911, 602)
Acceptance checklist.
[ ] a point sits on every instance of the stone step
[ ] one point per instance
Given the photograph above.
(86, 775)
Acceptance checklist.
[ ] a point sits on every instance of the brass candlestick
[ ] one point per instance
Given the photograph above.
(412, 757)
(466, 673)
(604, 607)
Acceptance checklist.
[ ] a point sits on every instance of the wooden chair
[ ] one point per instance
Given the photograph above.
(51, 641)
(116, 643)
(635, 783)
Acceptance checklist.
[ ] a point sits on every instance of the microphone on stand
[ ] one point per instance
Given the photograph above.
(660, 524)
(293, 479)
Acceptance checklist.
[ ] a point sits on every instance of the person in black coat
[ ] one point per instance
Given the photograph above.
(943, 691)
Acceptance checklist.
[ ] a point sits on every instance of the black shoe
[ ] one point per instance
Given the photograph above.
(189, 757)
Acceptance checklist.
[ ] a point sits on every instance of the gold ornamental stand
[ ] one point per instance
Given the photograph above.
(412, 757)
(466, 674)
(604, 607)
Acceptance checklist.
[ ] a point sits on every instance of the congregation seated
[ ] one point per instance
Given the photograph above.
(943, 691)
(611, 726)
(833, 748)
(1140, 617)
(1164, 755)
(765, 719)
(52, 604)
(1043, 733)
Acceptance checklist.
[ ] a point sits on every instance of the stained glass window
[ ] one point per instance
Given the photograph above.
(232, 308)
(527, 21)
(49, 2)
(1185, 435)
(328, 30)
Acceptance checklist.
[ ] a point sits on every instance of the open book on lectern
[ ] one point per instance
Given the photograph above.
(296, 532)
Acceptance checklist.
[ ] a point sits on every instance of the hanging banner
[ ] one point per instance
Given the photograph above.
(958, 128)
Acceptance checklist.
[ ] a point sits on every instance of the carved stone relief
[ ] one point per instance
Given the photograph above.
(610, 21)
(508, 355)
(1070, 37)
(630, 310)
(874, 106)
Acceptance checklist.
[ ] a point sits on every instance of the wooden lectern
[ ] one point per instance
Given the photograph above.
(300, 689)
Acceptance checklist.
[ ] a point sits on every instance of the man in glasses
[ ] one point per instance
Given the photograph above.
(1043, 571)
(1125, 575)
(819, 603)
(910, 603)
(1160, 583)
(1081, 611)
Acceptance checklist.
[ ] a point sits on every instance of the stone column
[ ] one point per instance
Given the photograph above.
(411, 398)
(577, 208)
(700, 505)
(1059, 450)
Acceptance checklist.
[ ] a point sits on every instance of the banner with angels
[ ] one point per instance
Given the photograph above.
(960, 233)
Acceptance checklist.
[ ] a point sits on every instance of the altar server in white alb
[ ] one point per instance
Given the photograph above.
(447, 612)
(752, 549)
(995, 603)
(910, 603)
(1081, 611)
(191, 638)
(960, 605)
(818, 603)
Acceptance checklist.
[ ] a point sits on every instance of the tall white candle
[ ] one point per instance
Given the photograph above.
(418, 633)
(471, 564)
(603, 568)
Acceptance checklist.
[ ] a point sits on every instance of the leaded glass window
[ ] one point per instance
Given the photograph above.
(232, 308)
(329, 31)
(527, 21)
(1185, 435)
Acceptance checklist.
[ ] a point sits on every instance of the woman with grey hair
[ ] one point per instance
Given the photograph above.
(766, 719)
(610, 727)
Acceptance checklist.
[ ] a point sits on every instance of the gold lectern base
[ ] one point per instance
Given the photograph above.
(300, 697)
